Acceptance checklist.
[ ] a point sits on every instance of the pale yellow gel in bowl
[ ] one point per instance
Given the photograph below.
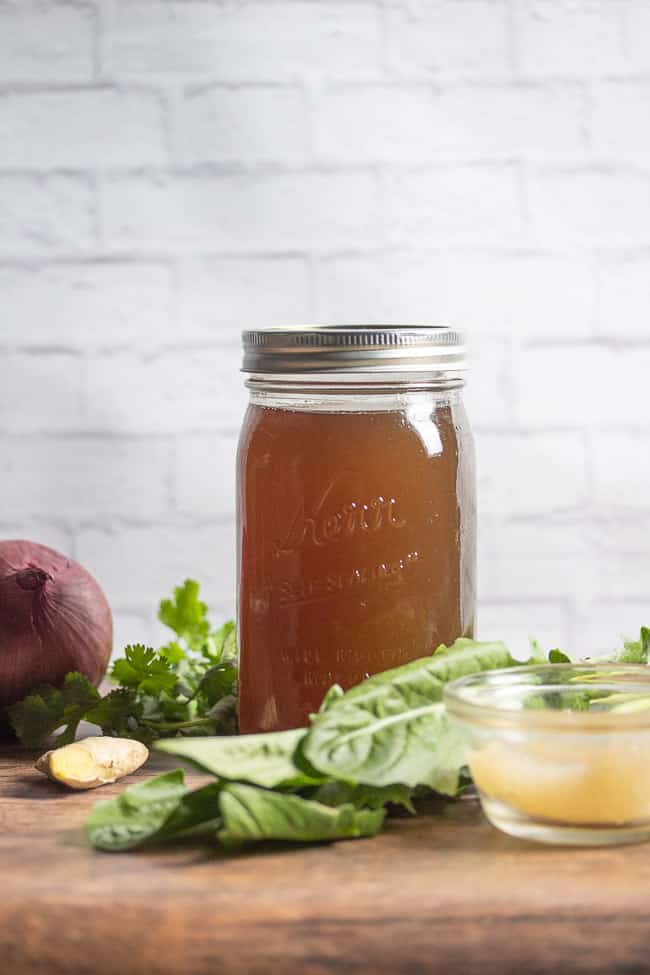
(600, 782)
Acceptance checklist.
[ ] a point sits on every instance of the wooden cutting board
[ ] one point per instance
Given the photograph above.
(444, 892)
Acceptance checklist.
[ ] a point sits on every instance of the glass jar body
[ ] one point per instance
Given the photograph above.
(356, 541)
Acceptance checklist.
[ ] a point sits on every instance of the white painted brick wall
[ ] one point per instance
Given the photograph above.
(87, 305)
(80, 129)
(41, 393)
(172, 171)
(46, 215)
(253, 124)
(77, 478)
(219, 296)
(448, 38)
(563, 37)
(478, 204)
(49, 42)
(256, 41)
(409, 123)
(241, 212)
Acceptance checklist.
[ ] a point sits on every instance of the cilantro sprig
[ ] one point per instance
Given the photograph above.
(186, 687)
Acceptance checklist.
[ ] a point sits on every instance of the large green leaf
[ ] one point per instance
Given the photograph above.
(252, 815)
(364, 796)
(267, 760)
(136, 814)
(152, 811)
(392, 728)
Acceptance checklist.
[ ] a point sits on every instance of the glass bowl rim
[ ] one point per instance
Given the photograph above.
(468, 711)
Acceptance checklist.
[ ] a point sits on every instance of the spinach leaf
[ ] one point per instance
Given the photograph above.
(364, 796)
(392, 728)
(415, 746)
(152, 811)
(558, 657)
(197, 814)
(136, 814)
(334, 694)
(265, 760)
(251, 815)
(422, 679)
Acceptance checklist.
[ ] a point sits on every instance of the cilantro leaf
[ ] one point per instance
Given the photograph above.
(48, 708)
(118, 713)
(186, 615)
(217, 682)
(221, 643)
(172, 652)
(224, 715)
(144, 670)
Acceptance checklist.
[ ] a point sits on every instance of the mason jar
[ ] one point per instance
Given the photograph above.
(356, 510)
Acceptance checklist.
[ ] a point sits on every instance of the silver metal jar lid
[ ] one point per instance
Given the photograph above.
(421, 353)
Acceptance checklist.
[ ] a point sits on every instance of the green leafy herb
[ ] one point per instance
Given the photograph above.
(137, 814)
(558, 657)
(392, 728)
(48, 708)
(636, 651)
(365, 796)
(380, 744)
(187, 687)
(118, 713)
(251, 814)
(160, 809)
(264, 760)
(144, 670)
(186, 615)
(334, 694)
(164, 808)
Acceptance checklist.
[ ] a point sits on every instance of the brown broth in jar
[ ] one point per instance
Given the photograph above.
(357, 547)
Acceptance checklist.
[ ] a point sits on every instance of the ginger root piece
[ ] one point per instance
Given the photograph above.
(92, 762)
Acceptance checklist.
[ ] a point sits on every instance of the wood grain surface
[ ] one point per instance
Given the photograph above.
(443, 892)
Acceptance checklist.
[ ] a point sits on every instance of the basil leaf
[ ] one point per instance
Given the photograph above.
(266, 760)
(392, 728)
(252, 815)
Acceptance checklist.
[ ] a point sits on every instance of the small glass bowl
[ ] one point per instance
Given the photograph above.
(559, 753)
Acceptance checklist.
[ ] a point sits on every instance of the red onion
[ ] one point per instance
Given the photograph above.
(54, 618)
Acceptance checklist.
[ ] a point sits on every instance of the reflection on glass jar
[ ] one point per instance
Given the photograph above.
(356, 512)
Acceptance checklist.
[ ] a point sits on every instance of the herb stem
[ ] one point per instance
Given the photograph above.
(177, 725)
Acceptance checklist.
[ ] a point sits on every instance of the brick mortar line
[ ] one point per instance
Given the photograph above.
(248, 171)
(189, 87)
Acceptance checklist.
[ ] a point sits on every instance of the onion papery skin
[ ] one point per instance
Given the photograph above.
(54, 618)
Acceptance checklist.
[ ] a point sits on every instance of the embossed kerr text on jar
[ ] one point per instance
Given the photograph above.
(356, 512)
